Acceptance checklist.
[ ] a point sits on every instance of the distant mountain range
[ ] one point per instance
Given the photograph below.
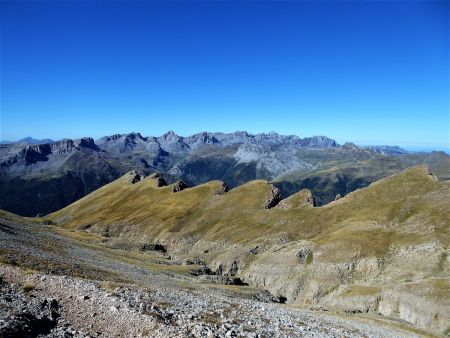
(27, 141)
(41, 176)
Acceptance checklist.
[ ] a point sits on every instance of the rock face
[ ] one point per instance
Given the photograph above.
(273, 198)
(319, 142)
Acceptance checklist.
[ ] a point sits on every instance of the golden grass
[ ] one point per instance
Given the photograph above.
(372, 218)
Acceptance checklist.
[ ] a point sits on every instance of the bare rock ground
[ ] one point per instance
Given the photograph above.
(75, 307)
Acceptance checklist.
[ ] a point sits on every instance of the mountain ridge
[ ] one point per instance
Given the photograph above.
(360, 253)
(36, 173)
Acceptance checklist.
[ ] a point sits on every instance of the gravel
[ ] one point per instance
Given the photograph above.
(75, 307)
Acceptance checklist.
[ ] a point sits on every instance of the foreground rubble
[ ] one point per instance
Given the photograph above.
(62, 306)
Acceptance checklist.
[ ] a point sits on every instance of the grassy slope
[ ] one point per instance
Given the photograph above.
(344, 175)
(409, 206)
(403, 213)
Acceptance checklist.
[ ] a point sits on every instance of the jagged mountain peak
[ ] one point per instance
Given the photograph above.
(234, 158)
(170, 135)
(320, 141)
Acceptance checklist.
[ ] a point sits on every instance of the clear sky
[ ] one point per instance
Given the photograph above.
(363, 71)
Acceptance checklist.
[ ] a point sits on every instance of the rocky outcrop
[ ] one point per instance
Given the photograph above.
(273, 198)
(152, 247)
(219, 276)
(179, 186)
(302, 198)
(87, 142)
(305, 256)
(160, 182)
(135, 176)
(430, 174)
(222, 189)
(312, 201)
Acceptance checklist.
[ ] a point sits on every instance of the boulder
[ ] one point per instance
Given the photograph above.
(179, 186)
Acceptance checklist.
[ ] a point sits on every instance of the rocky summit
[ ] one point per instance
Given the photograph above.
(50, 175)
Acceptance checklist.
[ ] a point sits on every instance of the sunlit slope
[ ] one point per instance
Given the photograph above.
(340, 177)
(383, 249)
(412, 201)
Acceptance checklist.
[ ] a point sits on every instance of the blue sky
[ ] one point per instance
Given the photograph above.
(363, 71)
